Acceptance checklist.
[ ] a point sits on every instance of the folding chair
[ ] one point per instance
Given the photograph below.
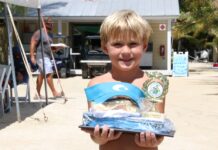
(20, 70)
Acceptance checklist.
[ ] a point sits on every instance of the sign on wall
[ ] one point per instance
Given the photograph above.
(162, 27)
(180, 64)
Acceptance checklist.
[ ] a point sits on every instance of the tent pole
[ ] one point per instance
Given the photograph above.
(11, 61)
(42, 52)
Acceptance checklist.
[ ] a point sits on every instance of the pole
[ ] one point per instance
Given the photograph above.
(11, 61)
(42, 52)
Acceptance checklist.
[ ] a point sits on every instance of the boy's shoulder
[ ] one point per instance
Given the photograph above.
(99, 79)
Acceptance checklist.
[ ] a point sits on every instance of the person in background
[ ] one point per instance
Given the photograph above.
(35, 47)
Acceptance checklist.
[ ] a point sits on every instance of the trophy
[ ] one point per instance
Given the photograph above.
(155, 89)
(134, 111)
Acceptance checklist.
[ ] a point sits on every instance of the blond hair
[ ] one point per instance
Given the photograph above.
(124, 23)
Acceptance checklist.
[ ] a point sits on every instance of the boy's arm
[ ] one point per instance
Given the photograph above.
(104, 134)
(148, 139)
(161, 106)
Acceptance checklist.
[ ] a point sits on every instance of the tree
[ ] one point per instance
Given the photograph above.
(16, 10)
(198, 20)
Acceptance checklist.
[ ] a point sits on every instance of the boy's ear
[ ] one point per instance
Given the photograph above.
(145, 47)
(104, 48)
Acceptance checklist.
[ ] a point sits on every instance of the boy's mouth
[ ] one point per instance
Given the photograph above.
(126, 61)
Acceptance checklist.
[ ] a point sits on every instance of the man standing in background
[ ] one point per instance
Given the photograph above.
(35, 47)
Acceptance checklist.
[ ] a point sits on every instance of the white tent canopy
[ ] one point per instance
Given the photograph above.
(25, 3)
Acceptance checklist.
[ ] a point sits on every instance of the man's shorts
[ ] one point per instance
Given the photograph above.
(48, 65)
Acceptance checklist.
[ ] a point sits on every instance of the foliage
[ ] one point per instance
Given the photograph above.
(198, 19)
(1, 7)
(16, 10)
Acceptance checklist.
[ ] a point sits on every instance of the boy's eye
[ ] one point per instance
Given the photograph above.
(117, 44)
(133, 44)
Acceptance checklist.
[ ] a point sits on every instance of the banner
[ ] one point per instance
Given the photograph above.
(180, 64)
(25, 3)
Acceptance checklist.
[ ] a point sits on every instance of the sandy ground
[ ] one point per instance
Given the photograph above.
(191, 104)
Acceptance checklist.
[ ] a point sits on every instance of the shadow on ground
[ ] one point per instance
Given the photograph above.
(212, 94)
(27, 109)
(202, 70)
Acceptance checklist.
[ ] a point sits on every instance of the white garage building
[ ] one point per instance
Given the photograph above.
(88, 15)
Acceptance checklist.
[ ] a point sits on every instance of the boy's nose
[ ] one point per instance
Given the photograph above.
(126, 49)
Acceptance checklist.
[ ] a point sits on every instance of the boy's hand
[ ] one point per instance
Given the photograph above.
(148, 139)
(102, 136)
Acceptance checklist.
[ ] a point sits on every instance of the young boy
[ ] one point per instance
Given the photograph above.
(124, 37)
